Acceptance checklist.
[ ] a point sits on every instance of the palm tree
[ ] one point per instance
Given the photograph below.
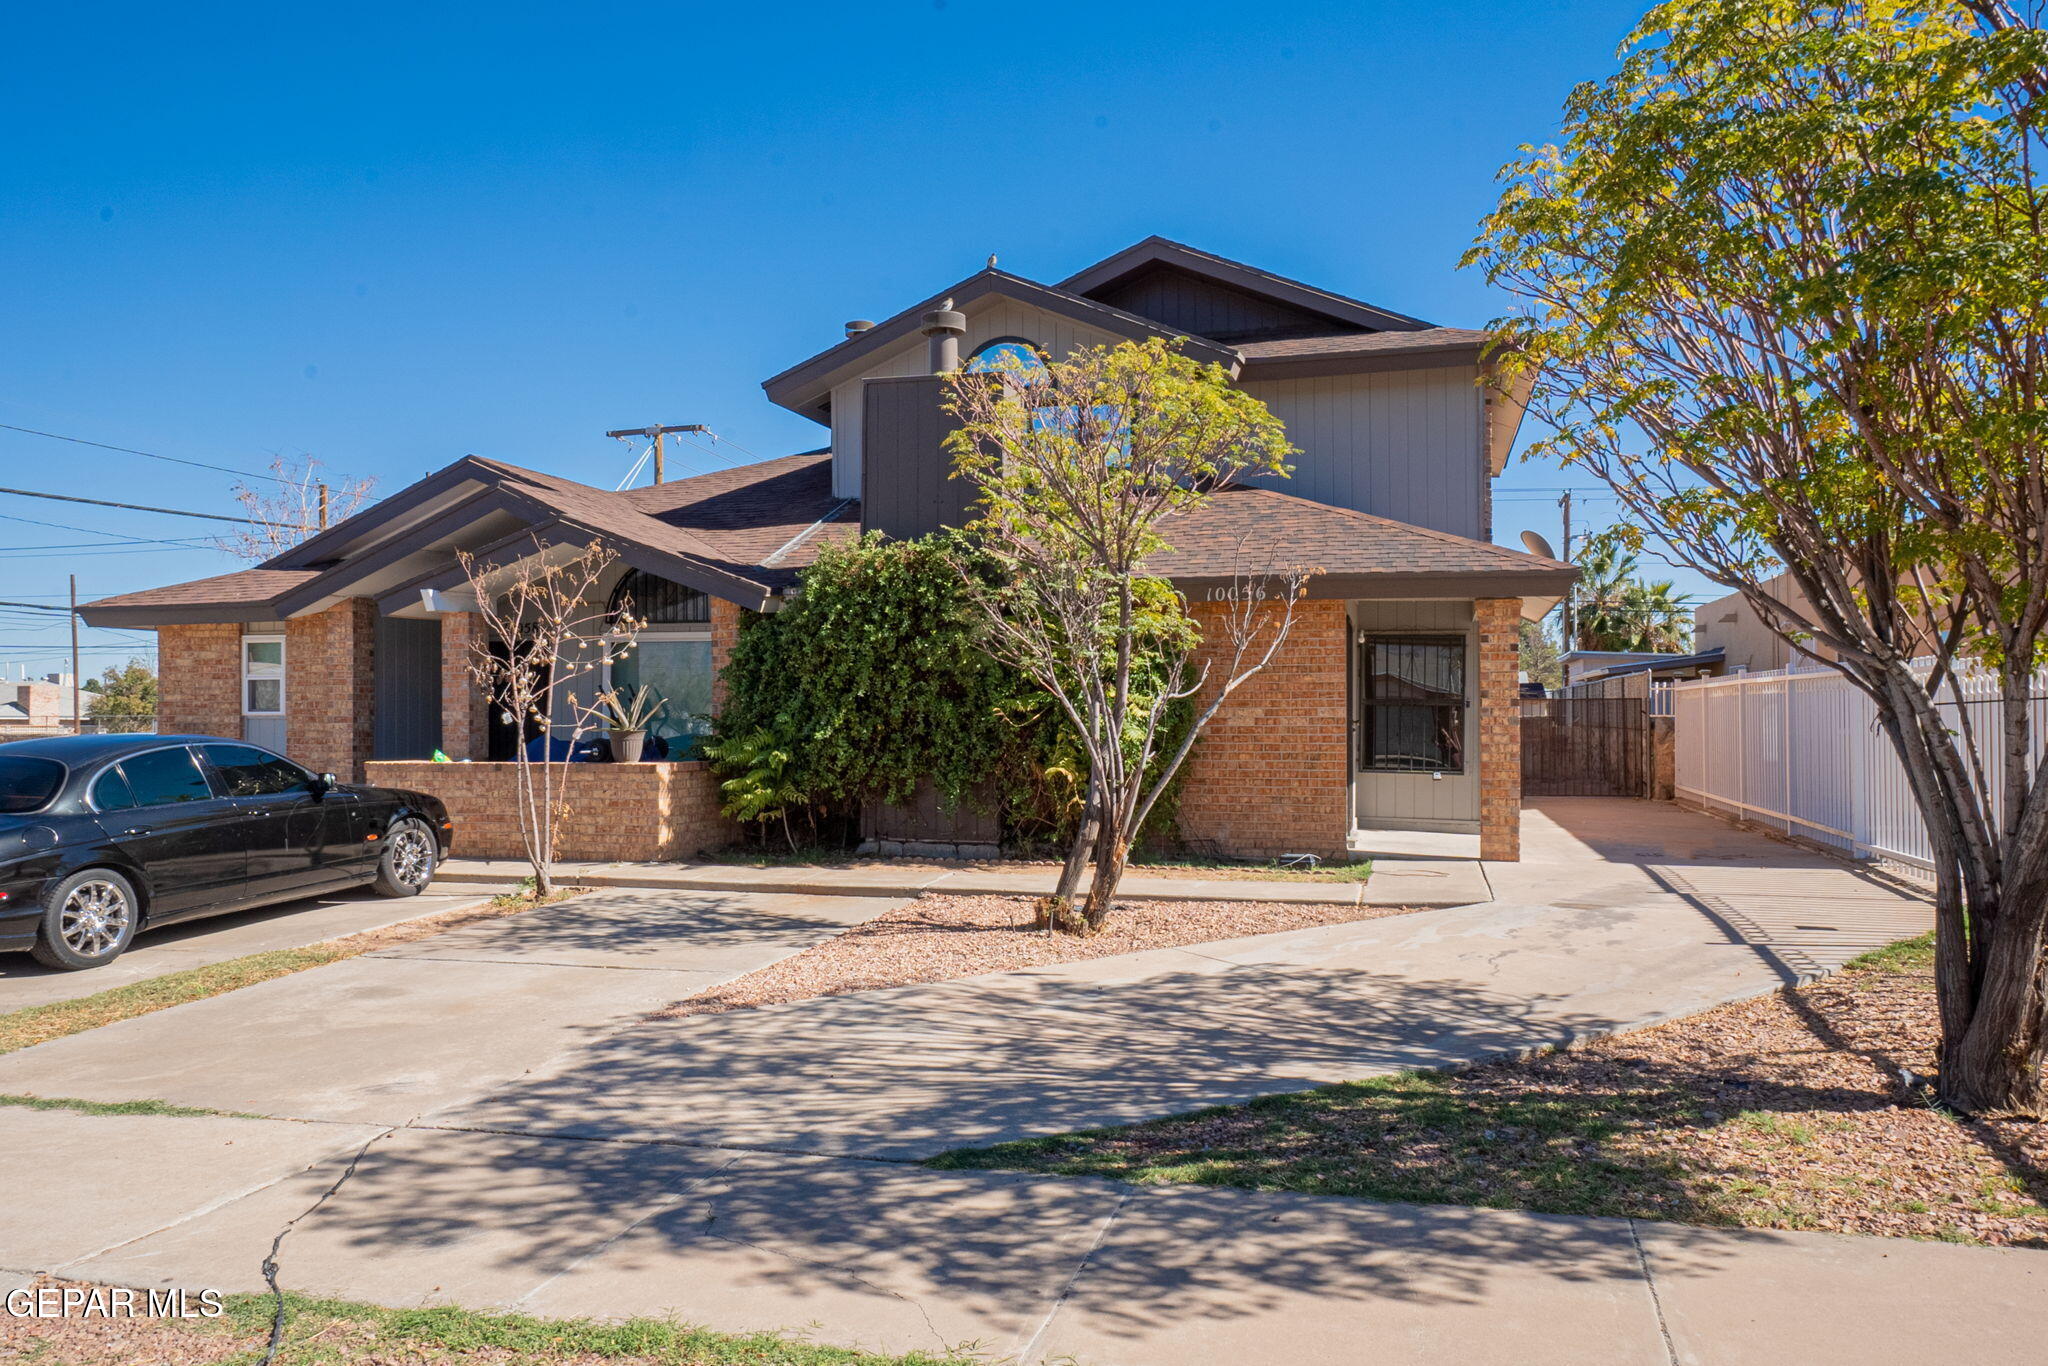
(1615, 610)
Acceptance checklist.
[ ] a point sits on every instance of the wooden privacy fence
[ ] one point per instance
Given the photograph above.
(1579, 746)
(1800, 750)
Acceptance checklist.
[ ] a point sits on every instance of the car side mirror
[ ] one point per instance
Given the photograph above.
(325, 784)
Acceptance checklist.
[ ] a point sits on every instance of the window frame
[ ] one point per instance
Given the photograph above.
(1369, 706)
(263, 637)
(684, 632)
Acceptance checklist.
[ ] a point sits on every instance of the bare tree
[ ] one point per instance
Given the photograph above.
(302, 501)
(544, 608)
(1081, 465)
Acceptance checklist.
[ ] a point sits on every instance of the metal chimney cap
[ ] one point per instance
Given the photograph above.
(944, 319)
(858, 325)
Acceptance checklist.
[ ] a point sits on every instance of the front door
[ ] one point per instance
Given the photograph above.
(184, 837)
(1417, 767)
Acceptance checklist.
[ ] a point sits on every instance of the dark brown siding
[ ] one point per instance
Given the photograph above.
(905, 488)
(1188, 303)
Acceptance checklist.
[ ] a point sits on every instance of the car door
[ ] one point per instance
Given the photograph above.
(274, 803)
(187, 840)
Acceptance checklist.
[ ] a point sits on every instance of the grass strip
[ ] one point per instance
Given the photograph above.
(39, 1024)
(119, 1107)
(325, 1332)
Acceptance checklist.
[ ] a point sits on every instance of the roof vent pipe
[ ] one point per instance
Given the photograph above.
(858, 326)
(943, 328)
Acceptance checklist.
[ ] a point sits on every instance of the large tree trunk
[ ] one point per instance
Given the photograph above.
(1990, 913)
(1112, 853)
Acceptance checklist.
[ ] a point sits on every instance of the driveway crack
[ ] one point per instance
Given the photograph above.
(1656, 1300)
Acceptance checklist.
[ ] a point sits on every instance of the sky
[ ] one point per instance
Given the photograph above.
(389, 236)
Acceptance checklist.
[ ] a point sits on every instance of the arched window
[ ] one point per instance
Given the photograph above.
(671, 658)
(1007, 356)
(660, 602)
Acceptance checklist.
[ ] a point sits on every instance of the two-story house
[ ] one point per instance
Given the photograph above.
(1394, 706)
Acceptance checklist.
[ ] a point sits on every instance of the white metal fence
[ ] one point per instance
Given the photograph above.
(1800, 750)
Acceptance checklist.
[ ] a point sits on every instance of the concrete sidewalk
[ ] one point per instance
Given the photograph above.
(1024, 1268)
(1420, 882)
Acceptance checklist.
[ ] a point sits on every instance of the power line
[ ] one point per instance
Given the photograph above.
(130, 450)
(143, 507)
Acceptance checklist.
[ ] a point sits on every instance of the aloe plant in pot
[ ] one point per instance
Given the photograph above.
(629, 713)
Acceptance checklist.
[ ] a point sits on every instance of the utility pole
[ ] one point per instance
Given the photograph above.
(323, 507)
(656, 434)
(77, 714)
(1570, 639)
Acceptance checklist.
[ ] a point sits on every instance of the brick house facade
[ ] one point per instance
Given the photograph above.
(1395, 705)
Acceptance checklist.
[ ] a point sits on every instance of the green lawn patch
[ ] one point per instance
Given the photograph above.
(323, 1332)
(118, 1107)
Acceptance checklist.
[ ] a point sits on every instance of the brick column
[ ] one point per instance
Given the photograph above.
(1272, 773)
(465, 724)
(725, 633)
(1500, 728)
(199, 679)
(329, 699)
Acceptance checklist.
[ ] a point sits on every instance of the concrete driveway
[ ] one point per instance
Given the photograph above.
(197, 943)
(745, 1170)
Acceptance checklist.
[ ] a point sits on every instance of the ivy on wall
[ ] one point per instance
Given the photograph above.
(871, 681)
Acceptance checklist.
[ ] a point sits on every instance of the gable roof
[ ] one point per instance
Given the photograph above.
(1155, 252)
(741, 534)
(806, 387)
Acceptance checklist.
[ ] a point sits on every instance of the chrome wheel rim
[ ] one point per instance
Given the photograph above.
(95, 918)
(412, 857)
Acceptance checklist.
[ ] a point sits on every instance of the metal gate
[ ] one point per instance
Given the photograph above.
(1585, 747)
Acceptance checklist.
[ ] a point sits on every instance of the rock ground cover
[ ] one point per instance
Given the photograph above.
(1804, 1109)
(938, 937)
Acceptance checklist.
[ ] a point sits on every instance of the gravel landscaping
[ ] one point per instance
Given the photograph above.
(1804, 1109)
(936, 938)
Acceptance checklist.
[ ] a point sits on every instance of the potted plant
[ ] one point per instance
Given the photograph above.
(628, 714)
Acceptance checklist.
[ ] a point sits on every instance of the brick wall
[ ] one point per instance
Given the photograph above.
(1500, 728)
(199, 679)
(1271, 773)
(634, 812)
(328, 693)
(464, 711)
(725, 631)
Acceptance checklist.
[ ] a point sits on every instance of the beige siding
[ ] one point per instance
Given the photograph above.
(1418, 800)
(987, 319)
(1406, 444)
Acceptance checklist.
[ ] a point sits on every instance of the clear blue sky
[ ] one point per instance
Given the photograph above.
(393, 235)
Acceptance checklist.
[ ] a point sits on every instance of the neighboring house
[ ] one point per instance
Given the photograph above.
(1733, 627)
(1395, 705)
(1592, 666)
(39, 705)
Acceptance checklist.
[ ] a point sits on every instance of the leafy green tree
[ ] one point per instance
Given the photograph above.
(124, 698)
(1081, 464)
(1615, 609)
(1541, 659)
(1783, 286)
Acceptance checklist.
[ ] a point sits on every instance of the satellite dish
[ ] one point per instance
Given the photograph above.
(1538, 546)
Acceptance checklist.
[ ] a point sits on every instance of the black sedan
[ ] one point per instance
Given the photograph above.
(105, 835)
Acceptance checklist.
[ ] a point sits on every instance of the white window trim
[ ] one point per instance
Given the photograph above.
(263, 637)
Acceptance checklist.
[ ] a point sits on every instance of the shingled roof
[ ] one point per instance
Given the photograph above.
(1245, 529)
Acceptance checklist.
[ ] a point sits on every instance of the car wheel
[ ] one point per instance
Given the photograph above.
(88, 921)
(407, 865)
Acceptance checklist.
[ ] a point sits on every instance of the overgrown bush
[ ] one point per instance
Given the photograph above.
(871, 681)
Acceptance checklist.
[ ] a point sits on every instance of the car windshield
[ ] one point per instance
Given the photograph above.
(28, 784)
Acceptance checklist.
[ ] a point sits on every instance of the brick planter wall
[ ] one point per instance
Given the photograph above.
(1270, 774)
(635, 812)
(329, 690)
(199, 679)
(1499, 622)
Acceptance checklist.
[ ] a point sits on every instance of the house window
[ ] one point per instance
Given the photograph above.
(1412, 690)
(262, 675)
(671, 656)
(1007, 356)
